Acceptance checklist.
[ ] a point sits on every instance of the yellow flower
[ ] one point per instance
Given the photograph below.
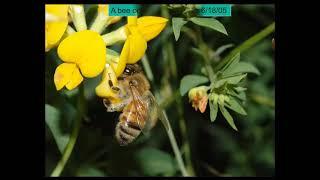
(139, 31)
(199, 98)
(151, 26)
(103, 19)
(104, 90)
(136, 33)
(135, 46)
(56, 24)
(104, 9)
(82, 51)
(67, 74)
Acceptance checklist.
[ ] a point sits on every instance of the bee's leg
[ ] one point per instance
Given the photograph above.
(112, 107)
(106, 102)
(114, 88)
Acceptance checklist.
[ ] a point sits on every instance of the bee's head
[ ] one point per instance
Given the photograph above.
(133, 76)
(132, 69)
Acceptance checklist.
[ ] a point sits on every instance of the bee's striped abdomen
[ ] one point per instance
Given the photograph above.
(127, 129)
(131, 122)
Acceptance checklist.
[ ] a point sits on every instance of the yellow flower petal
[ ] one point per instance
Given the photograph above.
(118, 64)
(75, 80)
(67, 74)
(103, 89)
(87, 50)
(104, 8)
(55, 29)
(151, 26)
(132, 20)
(137, 45)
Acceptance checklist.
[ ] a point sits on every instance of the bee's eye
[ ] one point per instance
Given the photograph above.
(128, 70)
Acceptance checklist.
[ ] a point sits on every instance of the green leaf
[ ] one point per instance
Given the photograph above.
(52, 118)
(210, 23)
(155, 162)
(239, 88)
(230, 80)
(234, 105)
(190, 81)
(232, 62)
(241, 67)
(213, 110)
(89, 171)
(241, 95)
(197, 52)
(222, 48)
(253, 40)
(177, 24)
(228, 117)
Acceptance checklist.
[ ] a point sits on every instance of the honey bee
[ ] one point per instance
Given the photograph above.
(140, 112)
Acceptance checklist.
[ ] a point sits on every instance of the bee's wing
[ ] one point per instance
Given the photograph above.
(154, 112)
(147, 103)
(139, 107)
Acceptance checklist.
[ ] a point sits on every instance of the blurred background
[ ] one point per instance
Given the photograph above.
(210, 149)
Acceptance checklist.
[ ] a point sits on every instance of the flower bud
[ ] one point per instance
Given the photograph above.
(199, 98)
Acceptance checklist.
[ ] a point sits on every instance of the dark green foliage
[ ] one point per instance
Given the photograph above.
(213, 143)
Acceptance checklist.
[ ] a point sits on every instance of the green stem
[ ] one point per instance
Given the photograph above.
(73, 138)
(168, 128)
(174, 145)
(147, 68)
(172, 59)
(100, 23)
(186, 145)
(115, 36)
(248, 44)
(263, 100)
(182, 125)
(70, 30)
(205, 54)
(210, 72)
(78, 17)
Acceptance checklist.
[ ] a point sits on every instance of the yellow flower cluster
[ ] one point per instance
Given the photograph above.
(136, 34)
(84, 53)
